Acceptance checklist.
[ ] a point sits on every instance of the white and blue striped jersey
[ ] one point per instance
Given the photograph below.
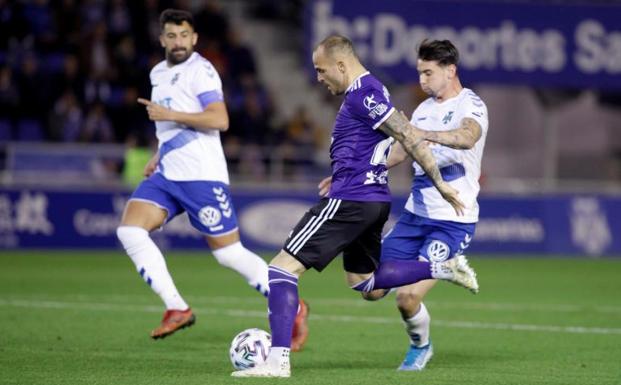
(187, 154)
(460, 168)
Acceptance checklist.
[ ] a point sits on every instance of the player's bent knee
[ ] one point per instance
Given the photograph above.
(374, 295)
(286, 261)
(130, 234)
(228, 255)
(408, 300)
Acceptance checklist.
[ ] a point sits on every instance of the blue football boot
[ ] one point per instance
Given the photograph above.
(416, 358)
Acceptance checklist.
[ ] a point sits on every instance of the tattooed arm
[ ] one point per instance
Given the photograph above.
(462, 138)
(412, 140)
(396, 156)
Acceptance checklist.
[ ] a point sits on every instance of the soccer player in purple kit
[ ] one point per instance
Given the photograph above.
(351, 218)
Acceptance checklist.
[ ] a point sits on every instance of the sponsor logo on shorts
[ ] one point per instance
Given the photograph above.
(209, 216)
(438, 251)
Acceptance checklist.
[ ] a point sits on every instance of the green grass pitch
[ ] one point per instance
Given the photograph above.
(85, 317)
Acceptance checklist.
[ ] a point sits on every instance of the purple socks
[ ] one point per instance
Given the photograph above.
(282, 303)
(395, 273)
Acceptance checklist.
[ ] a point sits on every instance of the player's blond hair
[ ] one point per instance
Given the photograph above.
(337, 44)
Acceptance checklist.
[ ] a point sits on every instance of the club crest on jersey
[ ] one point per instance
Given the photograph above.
(375, 109)
(438, 251)
(209, 216)
(369, 102)
(174, 79)
(447, 118)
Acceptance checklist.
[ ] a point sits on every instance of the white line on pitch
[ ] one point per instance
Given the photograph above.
(358, 302)
(314, 316)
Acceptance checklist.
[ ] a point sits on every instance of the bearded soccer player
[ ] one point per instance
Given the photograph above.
(188, 174)
(350, 219)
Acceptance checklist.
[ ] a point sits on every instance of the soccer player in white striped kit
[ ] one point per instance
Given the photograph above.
(454, 121)
(188, 173)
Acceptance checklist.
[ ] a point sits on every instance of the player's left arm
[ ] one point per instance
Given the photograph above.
(462, 138)
(213, 117)
(412, 139)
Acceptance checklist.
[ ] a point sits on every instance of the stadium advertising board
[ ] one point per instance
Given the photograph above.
(539, 44)
(573, 225)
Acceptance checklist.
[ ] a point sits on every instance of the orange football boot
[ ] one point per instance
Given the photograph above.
(173, 320)
(300, 327)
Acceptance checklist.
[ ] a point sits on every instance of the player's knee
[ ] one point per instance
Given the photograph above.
(129, 235)
(408, 301)
(227, 256)
(374, 295)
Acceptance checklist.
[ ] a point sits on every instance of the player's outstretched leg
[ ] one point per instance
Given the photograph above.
(396, 273)
(458, 271)
(151, 266)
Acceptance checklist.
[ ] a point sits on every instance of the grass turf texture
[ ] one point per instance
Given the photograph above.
(85, 318)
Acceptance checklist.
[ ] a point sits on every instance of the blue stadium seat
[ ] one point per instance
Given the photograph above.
(29, 130)
(5, 130)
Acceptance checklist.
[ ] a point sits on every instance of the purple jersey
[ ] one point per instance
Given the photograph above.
(358, 151)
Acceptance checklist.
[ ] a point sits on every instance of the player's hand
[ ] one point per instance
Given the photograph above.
(452, 197)
(149, 169)
(324, 186)
(156, 112)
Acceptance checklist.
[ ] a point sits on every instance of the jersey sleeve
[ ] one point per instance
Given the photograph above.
(475, 108)
(371, 105)
(206, 84)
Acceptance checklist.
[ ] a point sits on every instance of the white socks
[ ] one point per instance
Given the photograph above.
(252, 267)
(417, 327)
(150, 264)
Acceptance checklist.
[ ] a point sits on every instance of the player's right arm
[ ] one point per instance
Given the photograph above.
(213, 117)
(412, 140)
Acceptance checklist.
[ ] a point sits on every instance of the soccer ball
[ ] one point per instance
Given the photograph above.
(250, 348)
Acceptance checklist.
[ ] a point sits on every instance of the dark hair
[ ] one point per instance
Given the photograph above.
(442, 51)
(334, 43)
(175, 16)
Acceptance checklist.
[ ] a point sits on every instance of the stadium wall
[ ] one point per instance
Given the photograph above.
(576, 225)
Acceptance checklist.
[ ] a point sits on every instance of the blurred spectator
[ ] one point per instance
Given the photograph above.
(56, 57)
(137, 155)
(34, 100)
(66, 118)
(129, 118)
(40, 19)
(301, 141)
(210, 22)
(97, 127)
(92, 13)
(119, 18)
(241, 61)
(68, 25)
(128, 70)
(96, 54)
(70, 77)
(9, 93)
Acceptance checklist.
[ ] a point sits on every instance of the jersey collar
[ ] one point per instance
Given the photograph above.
(357, 83)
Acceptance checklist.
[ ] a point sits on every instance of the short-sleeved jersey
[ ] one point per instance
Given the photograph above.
(187, 154)
(358, 150)
(460, 168)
